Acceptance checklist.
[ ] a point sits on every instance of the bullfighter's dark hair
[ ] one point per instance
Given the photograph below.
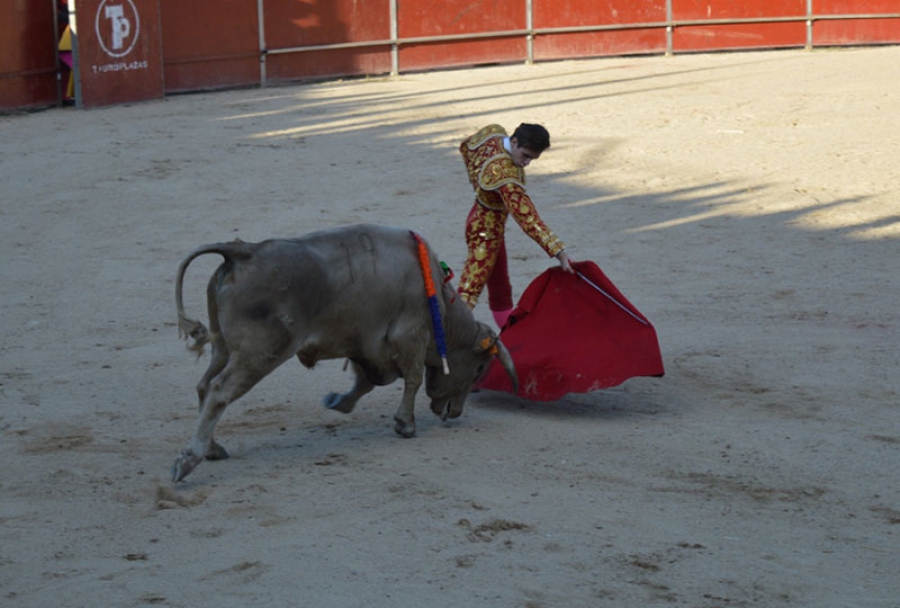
(533, 137)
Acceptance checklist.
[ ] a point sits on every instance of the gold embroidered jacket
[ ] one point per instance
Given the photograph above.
(500, 186)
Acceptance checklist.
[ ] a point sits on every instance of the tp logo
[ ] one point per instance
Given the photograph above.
(117, 26)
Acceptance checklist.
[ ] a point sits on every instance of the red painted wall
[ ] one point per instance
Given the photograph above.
(738, 36)
(28, 39)
(855, 31)
(581, 13)
(119, 52)
(205, 44)
(295, 23)
(209, 44)
(421, 18)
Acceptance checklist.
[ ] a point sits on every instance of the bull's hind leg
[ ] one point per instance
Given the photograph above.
(227, 386)
(217, 363)
(218, 360)
(346, 402)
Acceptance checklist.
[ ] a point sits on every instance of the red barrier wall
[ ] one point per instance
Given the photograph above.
(554, 14)
(209, 44)
(304, 23)
(206, 44)
(28, 39)
(119, 54)
(852, 31)
(738, 36)
(419, 19)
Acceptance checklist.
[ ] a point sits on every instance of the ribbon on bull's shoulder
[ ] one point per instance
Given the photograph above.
(431, 293)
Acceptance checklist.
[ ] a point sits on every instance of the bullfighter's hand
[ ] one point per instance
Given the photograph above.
(565, 262)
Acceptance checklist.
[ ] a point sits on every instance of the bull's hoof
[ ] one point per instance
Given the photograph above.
(184, 464)
(337, 402)
(404, 429)
(216, 452)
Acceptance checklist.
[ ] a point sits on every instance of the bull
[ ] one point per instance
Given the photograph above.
(356, 293)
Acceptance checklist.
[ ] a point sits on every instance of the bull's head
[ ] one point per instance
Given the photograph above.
(448, 392)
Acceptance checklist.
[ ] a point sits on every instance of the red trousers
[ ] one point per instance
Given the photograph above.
(486, 263)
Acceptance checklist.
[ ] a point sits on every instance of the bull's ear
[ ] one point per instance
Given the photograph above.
(486, 341)
(489, 344)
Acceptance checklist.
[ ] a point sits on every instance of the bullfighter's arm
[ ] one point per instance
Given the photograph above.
(523, 211)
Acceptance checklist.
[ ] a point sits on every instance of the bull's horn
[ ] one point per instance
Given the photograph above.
(508, 365)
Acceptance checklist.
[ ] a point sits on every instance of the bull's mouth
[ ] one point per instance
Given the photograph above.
(446, 408)
(441, 408)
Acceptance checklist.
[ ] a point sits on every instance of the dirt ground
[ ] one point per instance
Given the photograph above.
(746, 203)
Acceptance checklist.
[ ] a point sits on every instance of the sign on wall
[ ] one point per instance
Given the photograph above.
(119, 51)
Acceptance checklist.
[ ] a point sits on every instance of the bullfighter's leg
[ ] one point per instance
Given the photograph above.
(230, 384)
(346, 402)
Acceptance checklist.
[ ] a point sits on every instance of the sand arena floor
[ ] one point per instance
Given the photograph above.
(747, 203)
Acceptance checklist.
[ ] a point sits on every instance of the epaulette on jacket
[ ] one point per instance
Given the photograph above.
(499, 171)
(485, 134)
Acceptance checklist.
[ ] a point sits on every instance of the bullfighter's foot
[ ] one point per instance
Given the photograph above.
(404, 428)
(184, 464)
(338, 402)
(216, 452)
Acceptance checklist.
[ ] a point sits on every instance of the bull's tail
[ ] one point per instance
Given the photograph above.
(191, 328)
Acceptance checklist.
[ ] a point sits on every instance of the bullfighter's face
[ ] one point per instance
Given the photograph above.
(521, 155)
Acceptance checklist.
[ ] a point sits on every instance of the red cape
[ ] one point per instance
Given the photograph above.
(566, 336)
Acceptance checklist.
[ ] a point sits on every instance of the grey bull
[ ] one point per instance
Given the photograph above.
(355, 292)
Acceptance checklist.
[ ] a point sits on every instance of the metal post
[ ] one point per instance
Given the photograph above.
(529, 37)
(76, 62)
(59, 85)
(395, 47)
(809, 25)
(669, 28)
(261, 17)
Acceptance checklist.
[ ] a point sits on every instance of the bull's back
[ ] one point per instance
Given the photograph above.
(344, 281)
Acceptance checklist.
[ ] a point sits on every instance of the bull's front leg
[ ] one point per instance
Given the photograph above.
(405, 418)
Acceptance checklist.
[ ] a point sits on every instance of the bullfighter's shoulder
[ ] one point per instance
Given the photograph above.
(499, 171)
(485, 134)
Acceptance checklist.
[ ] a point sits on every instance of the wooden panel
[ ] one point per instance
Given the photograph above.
(463, 53)
(569, 13)
(622, 42)
(325, 64)
(291, 23)
(739, 36)
(28, 42)
(747, 36)
(858, 7)
(418, 18)
(589, 13)
(736, 9)
(296, 23)
(120, 59)
(209, 44)
(856, 31)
